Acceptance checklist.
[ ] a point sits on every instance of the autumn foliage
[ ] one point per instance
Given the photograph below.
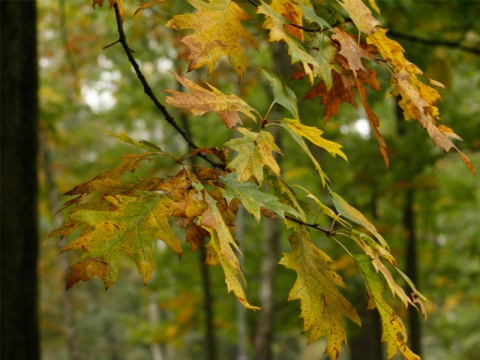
(337, 47)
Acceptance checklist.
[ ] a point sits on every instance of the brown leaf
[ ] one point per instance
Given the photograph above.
(351, 50)
(341, 91)
(201, 100)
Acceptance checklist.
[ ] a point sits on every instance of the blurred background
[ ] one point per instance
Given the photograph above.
(427, 205)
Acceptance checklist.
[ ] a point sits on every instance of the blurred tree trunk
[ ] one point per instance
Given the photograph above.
(264, 329)
(365, 342)
(19, 233)
(408, 223)
(411, 267)
(208, 300)
(241, 319)
(263, 335)
(54, 202)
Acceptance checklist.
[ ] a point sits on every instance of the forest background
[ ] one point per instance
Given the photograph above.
(432, 202)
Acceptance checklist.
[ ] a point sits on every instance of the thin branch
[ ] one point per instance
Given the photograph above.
(148, 90)
(328, 232)
(434, 42)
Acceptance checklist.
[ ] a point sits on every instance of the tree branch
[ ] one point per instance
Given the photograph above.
(327, 232)
(148, 90)
(432, 42)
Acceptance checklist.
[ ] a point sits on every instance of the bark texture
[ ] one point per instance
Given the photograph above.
(19, 233)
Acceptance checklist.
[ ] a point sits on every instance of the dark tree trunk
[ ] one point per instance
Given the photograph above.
(19, 233)
(411, 268)
(365, 342)
(264, 330)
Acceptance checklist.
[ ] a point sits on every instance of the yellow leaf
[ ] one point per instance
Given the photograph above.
(276, 23)
(314, 135)
(394, 332)
(201, 100)
(217, 30)
(390, 50)
(323, 306)
(361, 15)
(220, 249)
(254, 152)
(293, 13)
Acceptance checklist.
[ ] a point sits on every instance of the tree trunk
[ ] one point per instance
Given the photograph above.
(241, 319)
(411, 268)
(19, 232)
(411, 247)
(54, 202)
(365, 342)
(208, 300)
(263, 335)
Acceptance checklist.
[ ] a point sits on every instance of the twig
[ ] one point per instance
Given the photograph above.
(327, 232)
(148, 90)
(433, 42)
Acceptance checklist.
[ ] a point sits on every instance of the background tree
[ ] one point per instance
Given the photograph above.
(19, 114)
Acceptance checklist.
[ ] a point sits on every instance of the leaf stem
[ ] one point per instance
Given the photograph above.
(148, 90)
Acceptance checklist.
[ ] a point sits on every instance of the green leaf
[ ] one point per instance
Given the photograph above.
(297, 130)
(282, 93)
(325, 209)
(345, 210)
(254, 152)
(310, 15)
(325, 58)
(394, 332)
(144, 144)
(323, 306)
(129, 230)
(252, 198)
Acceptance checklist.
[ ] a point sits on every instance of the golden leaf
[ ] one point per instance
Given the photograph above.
(217, 29)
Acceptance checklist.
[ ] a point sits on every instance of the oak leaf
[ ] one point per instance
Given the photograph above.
(129, 163)
(220, 248)
(201, 100)
(340, 92)
(394, 332)
(217, 29)
(254, 153)
(127, 231)
(297, 130)
(351, 50)
(292, 12)
(276, 24)
(346, 210)
(252, 198)
(361, 15)
(322, 305)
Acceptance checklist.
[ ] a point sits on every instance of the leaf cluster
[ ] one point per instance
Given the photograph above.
(338, 48)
